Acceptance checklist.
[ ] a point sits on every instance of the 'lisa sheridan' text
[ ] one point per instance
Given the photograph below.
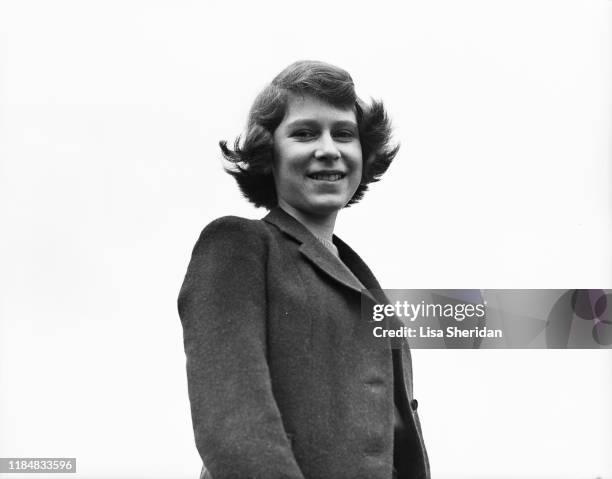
(429, 332)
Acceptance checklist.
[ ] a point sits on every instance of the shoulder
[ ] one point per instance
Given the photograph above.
(232, 232)
(232, 225)
(229, 256)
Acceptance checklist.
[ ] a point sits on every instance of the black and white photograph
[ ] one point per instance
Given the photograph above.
(325, 240)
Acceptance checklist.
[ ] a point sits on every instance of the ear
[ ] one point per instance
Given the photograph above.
(268, 169)
(367, 164)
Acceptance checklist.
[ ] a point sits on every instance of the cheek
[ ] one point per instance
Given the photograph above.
(357, 160)
(358, 173)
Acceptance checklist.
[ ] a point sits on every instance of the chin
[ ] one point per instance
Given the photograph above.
(325, 207)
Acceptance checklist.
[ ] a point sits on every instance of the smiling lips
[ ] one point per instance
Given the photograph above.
(327, 175)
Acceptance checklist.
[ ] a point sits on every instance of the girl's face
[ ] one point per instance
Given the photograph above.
(317, 157)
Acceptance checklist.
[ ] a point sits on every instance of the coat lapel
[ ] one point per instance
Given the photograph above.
(322, 258)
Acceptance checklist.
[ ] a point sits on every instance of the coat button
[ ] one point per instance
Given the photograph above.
(414, 404)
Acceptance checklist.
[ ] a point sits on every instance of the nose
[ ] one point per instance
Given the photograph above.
(326, 148)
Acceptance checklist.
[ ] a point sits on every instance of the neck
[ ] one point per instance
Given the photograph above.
(319, 225)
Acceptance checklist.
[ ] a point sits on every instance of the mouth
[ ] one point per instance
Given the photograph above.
(327, 176)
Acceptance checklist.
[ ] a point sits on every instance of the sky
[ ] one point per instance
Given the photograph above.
(110, 117)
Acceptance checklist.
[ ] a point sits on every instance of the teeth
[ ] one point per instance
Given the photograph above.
(326, 176)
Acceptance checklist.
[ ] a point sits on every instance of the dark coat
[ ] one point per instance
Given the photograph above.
(285, 380)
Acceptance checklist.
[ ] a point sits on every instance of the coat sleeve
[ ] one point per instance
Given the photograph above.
(222, 305)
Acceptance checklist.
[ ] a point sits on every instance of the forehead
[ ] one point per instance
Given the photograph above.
(311, 108)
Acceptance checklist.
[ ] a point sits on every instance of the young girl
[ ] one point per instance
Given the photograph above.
(284, 379)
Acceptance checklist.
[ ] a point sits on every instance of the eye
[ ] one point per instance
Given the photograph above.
(303, 134)
(345, 135)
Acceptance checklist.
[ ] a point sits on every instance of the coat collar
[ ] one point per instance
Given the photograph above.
(322, 258)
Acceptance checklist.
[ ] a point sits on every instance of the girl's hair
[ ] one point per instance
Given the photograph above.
(252, 161)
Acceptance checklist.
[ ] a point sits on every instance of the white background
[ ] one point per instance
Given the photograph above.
(110, 114)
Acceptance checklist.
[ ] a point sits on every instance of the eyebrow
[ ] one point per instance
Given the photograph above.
(310, 122)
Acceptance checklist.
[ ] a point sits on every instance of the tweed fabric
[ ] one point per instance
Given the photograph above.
(282, 380)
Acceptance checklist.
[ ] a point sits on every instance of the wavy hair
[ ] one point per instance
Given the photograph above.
(252, 158)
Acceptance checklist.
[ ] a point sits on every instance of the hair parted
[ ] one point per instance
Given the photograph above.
(252, 161)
